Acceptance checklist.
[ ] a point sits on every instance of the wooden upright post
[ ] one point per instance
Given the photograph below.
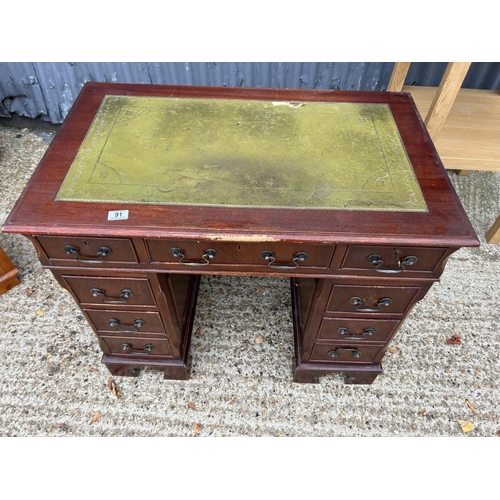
(493, 234)
(398, 76)
(445, 96)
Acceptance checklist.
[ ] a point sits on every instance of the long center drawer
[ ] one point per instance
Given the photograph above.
(263, 254)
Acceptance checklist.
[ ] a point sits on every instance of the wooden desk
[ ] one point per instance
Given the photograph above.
(146, 188)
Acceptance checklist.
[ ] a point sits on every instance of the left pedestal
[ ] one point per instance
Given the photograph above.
(140, 320)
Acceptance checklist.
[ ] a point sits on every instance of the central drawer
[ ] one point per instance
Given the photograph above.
(267, 255)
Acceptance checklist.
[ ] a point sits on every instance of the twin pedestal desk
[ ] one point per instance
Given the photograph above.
(146, 187)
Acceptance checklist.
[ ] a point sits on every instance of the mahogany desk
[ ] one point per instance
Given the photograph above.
(147, 187)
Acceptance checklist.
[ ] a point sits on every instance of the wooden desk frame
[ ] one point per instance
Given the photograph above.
(136, 280)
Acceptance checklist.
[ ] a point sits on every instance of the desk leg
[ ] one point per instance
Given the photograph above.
(309, 373)
(175, 370)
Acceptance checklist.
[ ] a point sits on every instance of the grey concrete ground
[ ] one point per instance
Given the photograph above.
(52, 382)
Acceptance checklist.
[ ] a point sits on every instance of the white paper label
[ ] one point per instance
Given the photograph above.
(118, 215)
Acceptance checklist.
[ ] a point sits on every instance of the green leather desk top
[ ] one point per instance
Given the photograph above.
(243, 153)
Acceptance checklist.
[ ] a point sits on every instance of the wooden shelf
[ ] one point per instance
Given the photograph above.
(463, 123)
(470, 136)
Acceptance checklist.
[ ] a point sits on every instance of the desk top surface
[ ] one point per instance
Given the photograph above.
(243, 164)
(243, 153)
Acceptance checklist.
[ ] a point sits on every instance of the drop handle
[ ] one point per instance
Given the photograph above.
(138, 324)
(122, 299)
(269, 256)
(208, 255)
(358, 303)
(99, 258)
(377, 261)
(129, 349)
(336, 352)
(368, 332)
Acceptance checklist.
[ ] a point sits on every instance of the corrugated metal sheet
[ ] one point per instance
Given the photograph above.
(49, 89)
(481, 75)
(312, 75)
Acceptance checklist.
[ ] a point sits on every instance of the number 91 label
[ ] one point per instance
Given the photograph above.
(118, 215)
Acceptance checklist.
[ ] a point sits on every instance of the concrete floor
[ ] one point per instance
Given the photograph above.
(52, 382)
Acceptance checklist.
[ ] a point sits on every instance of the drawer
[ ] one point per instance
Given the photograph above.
(352, 353)
(273, 255)
(359, 330)
(88, 251)
(135, 346)
(372, 299)
(97, 290)
(392, 260)
(136, 322)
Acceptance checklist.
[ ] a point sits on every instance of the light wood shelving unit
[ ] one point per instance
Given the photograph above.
(463, 123)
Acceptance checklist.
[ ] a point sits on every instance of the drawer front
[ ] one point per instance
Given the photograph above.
(272, 255)
(341, 353)
(371, 299)
(392, 260)
(359, 330)
(88, 251)
(96, 290)
(124, 322)
(134, 346)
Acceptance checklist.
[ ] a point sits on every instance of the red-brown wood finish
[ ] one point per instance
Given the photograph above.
(445, 224)
(8, 273)
(330, 327)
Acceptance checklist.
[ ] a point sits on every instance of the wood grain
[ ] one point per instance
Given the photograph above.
(470, 136)
(445, 96)
(8, 273)
(398, 76)
(493, 234)
(445, 223)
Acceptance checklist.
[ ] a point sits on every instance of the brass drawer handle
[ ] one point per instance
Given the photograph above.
(368, 332)
(209, 254)
(336, 352)
(128, 348)
(124, 296)
(377, 261)
(99, 258)
(139, 323)
(358, 303)
(299, 257)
